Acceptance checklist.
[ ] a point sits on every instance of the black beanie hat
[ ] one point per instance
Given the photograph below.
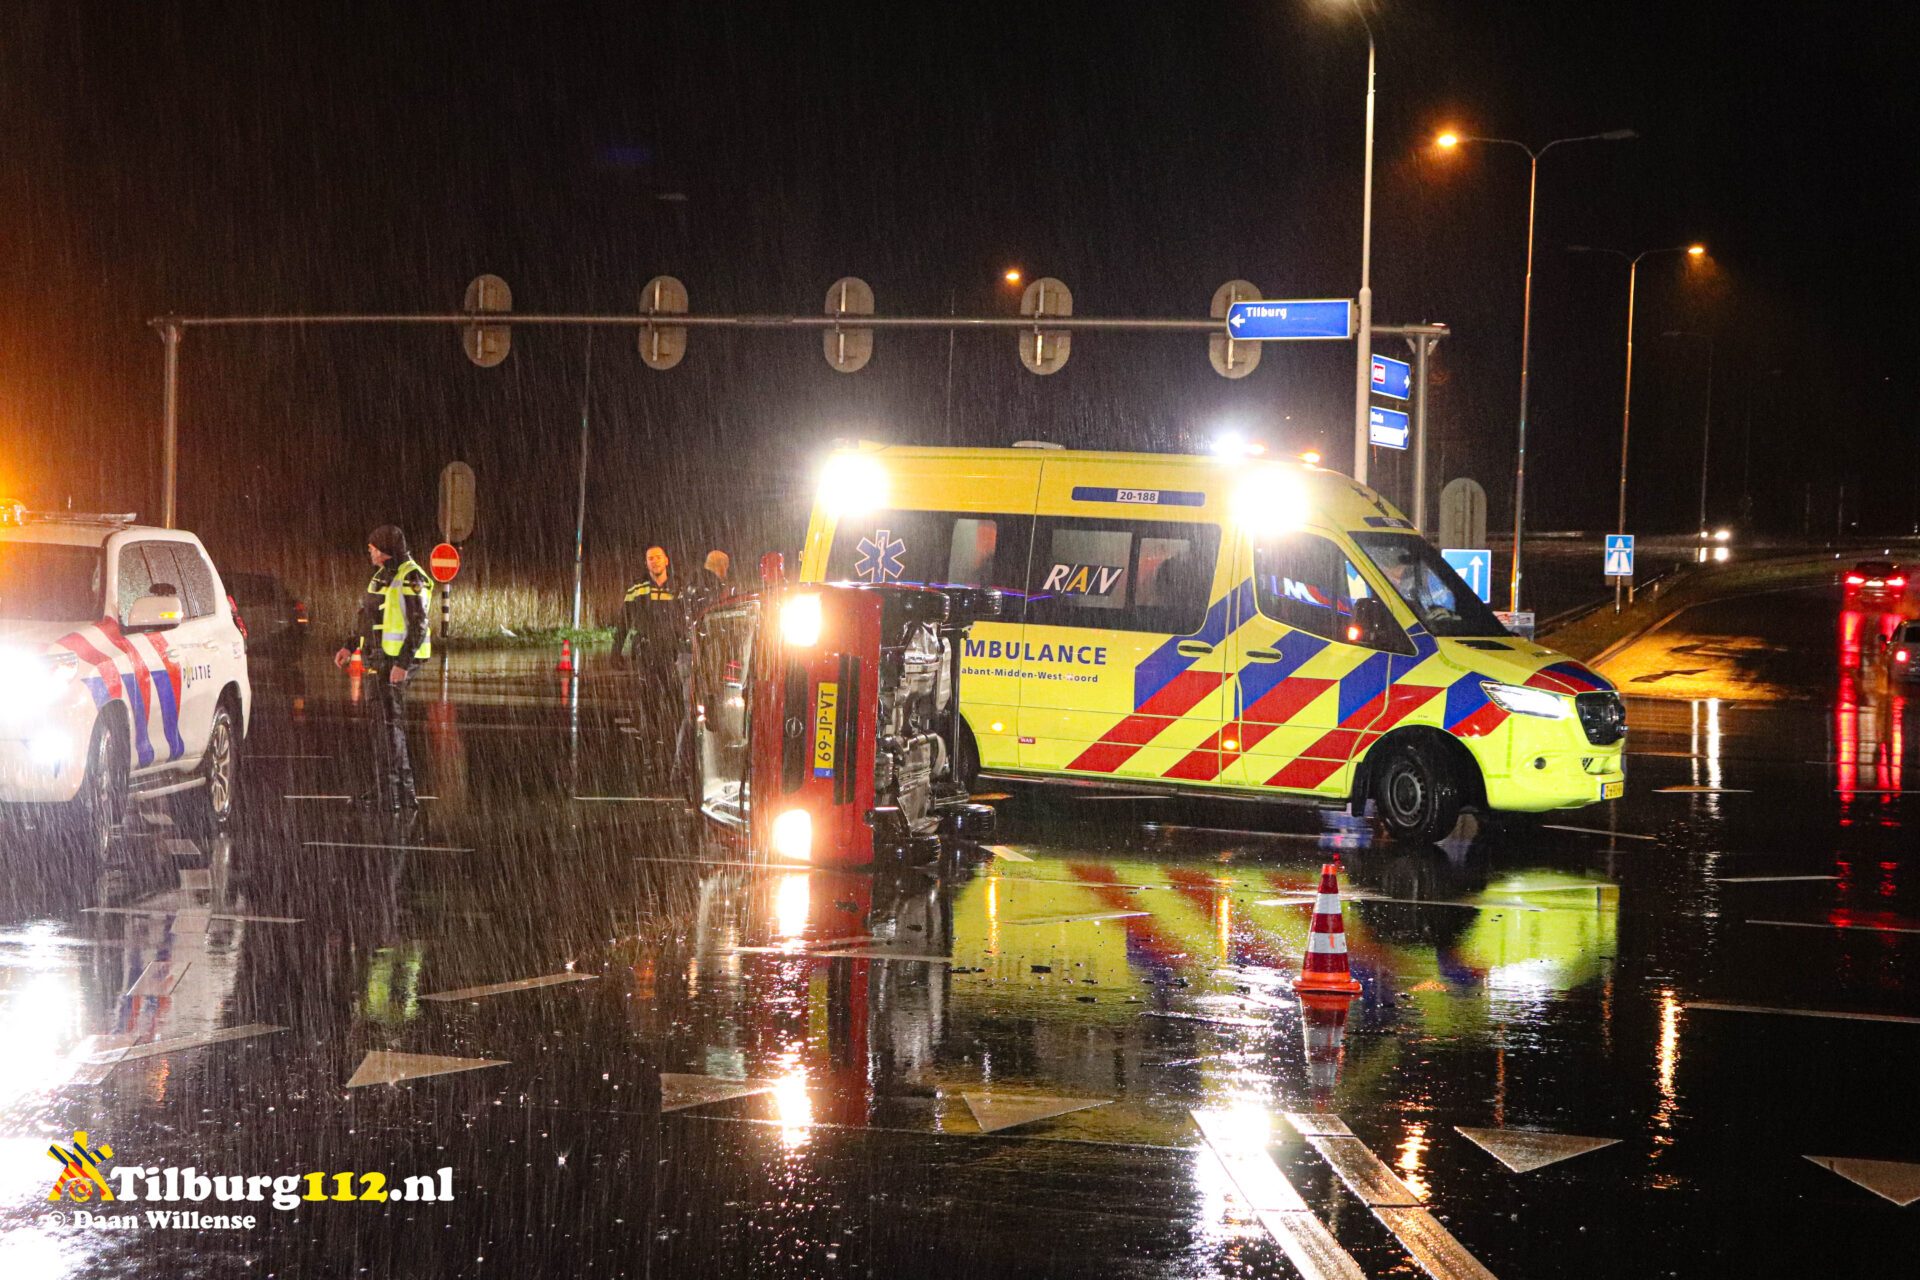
(390, 540)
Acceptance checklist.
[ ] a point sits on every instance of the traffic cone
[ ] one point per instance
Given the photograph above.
(1323, 1025)
(565, 665)
(1325, 968)
(356, 666)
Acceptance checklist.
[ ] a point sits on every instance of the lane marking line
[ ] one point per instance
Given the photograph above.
(1823, 924)
(1392, 1201)
(1300, 1234)
(1720, 1006)
(255, 755)
(1597, 831)
(519, 984)
(1893, 1180)
(338, 799)
(1769, 879)
(404, 848)
(1702, 791)
(197, 913)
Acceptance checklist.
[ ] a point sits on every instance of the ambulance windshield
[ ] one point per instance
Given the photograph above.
(1444, 604)
(49, 582)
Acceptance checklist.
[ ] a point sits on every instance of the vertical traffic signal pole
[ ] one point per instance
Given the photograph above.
(170, 332)
(1363, 340)
(580, 501)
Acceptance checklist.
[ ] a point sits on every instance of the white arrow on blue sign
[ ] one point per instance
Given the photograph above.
(1475, 567)
(1392, 377)
(1619, 555)
(1388, 428)
(1300, 319)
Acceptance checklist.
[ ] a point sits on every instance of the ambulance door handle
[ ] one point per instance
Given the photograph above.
(1264, 655)
(1194, 648)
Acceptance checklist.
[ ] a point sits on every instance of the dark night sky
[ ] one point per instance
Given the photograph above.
(200, 158)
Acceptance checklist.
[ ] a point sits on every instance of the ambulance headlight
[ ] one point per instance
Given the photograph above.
(793, 835)
(1522, 701)
(852, 484)
(800, 621)
(32, 682)
(1271, 501)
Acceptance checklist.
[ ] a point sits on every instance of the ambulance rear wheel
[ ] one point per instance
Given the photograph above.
(1417, 793)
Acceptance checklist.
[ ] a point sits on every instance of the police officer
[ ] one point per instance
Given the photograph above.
(709, 583)
(651, 612)
(392, 631)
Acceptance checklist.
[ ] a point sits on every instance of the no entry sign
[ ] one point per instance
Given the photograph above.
(445, 562)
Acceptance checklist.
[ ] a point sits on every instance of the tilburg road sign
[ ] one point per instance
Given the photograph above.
(1475, 567)
(1619, 555)
(1297, 319)
(1392, 377)
(1388, 428)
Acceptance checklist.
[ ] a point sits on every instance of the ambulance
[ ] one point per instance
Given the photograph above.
(1250, 628)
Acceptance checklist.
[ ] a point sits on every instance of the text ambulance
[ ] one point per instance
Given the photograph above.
(1247, 627)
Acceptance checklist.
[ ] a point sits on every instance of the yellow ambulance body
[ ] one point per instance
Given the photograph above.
(1248, 627)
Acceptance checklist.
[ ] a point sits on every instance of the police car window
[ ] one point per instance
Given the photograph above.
(1154, 577)
(182, 567)
(135, 579)
(48, 582)
(1305, 582)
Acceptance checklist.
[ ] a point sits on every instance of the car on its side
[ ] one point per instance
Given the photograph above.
(123, 673)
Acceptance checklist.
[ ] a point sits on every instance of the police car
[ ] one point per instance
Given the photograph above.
(123, 672)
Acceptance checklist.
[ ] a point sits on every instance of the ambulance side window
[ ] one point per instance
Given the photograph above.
(1122, 576)
(937, 548)
(1306, 582)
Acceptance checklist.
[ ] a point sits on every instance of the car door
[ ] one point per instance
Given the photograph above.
(179, 661)
(1124, 656)
(1303, 694)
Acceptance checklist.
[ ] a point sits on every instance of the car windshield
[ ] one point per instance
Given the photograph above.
(48, 582)
(1444, 604)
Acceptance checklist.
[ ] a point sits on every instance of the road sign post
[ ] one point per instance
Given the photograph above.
(1475, 567)
(1291, 320)
(444, 565)
(1618, 565)
(1388, 428)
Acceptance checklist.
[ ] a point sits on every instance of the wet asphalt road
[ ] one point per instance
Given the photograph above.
(1572, 978)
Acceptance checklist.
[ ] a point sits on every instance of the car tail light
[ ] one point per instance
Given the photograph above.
(300, 613)
(233, 608)
(1899, 655)
(1896, 582)
(1854, 579)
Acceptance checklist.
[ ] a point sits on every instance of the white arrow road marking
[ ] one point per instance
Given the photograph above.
(1302, 1236)
(1524, 1150)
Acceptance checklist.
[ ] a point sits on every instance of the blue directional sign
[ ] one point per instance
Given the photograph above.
(1279, 318)
(1619, 555)
(1388, 428)
(1392, 377)
(1475, 568)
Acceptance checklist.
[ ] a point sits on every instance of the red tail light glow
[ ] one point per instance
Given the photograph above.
(1899, 655)
(1896, 582)
(1854, 579)
(300, 612)
(233, 607)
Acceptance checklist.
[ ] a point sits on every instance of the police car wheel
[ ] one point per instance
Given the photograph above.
(94, 815)
(1417, 795)
(209, 807)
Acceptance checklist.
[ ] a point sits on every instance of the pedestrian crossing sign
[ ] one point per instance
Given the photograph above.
(1619, 555)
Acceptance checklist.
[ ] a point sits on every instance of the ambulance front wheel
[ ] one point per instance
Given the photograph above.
(1418, 793)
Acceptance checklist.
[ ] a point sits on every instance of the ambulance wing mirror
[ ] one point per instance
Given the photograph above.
(1373, 624)
(153, 613)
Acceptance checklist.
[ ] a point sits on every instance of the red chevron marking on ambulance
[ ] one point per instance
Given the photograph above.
(1118, 744)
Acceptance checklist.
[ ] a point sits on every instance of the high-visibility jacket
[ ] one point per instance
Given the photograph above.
(654, 611)
(397, 610)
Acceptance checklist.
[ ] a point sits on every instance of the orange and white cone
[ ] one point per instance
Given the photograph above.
(356, 666)
(1325, 968)
(565, 665)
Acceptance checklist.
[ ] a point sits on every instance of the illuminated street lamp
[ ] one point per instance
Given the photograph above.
(1447, 142)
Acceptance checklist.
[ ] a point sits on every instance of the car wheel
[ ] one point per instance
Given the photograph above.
(1417, 793)
(93, 817)
(208, 809)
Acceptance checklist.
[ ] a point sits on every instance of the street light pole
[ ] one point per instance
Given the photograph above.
(1448, 141)
(1363, 340)
(1706, 421)
(1626, 400)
